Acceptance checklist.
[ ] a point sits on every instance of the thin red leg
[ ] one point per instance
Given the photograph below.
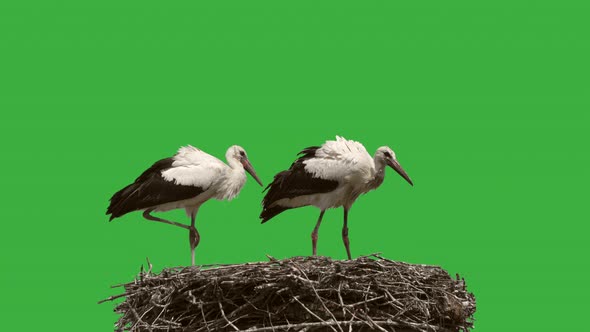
(314, 234)
(148, 216)
(194, 238)
(345, 234)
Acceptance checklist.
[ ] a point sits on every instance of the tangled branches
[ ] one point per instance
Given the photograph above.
(370, 293)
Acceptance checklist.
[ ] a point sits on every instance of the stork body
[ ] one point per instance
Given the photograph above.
(186, 180)
(329, 176)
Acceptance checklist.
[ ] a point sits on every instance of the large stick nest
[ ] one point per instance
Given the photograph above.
(370, 293)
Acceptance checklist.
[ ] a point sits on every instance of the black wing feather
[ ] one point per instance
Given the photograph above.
(150, 189)
(292, 183)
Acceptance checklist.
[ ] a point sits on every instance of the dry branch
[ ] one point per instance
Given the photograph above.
(370, 293)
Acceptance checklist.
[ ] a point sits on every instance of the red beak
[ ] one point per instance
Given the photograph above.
(248, 167)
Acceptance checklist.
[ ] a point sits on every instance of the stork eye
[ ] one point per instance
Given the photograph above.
(387, 154)
(242, 153)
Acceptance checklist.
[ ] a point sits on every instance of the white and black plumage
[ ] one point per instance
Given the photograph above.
(329, 176)
(186, 180)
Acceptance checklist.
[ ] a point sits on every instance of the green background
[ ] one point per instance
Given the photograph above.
(485, 104)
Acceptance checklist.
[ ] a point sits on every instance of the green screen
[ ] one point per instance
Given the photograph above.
(484, 103)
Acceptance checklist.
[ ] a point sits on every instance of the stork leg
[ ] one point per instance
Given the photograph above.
(314, 234)
(194, 237)
(345, 233)
(148, 216)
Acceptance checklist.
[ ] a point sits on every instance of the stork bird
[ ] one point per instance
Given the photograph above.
(186, 180)
(330, 176)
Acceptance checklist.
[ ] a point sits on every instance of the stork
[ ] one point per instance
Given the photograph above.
(329, 176)
(186, 180)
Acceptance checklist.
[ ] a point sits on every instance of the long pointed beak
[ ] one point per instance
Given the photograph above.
(248, 167)
(398, 168)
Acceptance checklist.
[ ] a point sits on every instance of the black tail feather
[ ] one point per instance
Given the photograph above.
(292, 183)
(117, 208)
(268, 214)
(150, 189)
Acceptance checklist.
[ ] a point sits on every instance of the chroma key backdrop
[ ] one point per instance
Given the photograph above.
(485, 104)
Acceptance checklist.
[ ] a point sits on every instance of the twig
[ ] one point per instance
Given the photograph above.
(341, 295)
(332, 323)
(312, 313)
(227, 320)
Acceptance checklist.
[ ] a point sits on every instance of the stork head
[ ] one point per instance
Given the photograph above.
(386, 155)
(237, 153)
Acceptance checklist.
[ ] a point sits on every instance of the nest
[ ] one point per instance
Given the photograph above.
(370, 293)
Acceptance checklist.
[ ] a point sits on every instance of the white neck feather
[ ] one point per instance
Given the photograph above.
(234, 180)
(379, 173)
